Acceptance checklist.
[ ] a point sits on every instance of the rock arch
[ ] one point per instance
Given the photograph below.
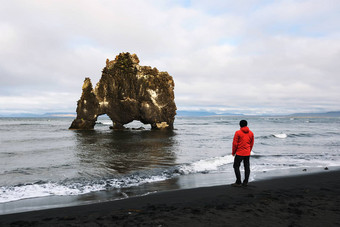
(127, 92)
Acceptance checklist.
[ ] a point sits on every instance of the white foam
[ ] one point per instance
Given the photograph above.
(206, 165)
(14, 193)
(20, 192)
(35, 190)
(281, 135)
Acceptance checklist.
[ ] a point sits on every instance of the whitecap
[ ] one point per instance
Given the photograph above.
(206, 165)
(19, 192)
(43, 189)
(35, 190)
(281, 135)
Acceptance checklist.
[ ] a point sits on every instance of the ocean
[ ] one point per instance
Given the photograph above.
(45, 165)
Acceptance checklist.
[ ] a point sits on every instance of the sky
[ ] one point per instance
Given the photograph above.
(245, 56)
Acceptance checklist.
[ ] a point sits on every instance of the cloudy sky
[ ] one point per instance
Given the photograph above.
(246, 56)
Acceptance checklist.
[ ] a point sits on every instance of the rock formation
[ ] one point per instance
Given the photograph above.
(127, 92)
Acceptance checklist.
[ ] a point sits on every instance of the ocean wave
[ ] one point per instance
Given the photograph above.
(207, 165)
(43, 189)
(197, 123)
(280, 135)
(104, 122)
(301, 135)
(79, 187)
(283, 135)
(31, 171)
(223, 122)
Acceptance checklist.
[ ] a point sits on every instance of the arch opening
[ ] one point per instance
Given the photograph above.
(103, 121)
(137, 125)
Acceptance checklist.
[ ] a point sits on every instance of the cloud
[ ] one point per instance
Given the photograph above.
(250, 56)
(39, 102)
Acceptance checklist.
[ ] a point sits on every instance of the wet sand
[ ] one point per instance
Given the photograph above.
(305, 200)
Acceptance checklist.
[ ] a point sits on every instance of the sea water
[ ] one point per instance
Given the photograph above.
(44, 165)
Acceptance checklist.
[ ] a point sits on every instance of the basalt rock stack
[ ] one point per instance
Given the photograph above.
(128, 92)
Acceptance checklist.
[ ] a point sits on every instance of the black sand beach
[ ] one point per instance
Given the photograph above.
(306, 200)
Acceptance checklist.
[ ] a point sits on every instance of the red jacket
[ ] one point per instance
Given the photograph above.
(243, 142)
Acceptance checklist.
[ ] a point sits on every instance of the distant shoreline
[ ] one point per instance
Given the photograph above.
(183, 113)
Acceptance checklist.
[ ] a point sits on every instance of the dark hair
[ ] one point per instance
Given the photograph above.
(243, 123)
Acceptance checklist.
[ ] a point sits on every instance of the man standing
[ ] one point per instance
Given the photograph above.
(242, 145)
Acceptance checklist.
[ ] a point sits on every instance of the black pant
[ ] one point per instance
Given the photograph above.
(237, 162)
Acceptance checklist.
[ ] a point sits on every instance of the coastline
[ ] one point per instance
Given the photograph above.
(305, 200)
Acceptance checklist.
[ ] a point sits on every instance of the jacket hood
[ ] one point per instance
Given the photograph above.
(245, 129)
